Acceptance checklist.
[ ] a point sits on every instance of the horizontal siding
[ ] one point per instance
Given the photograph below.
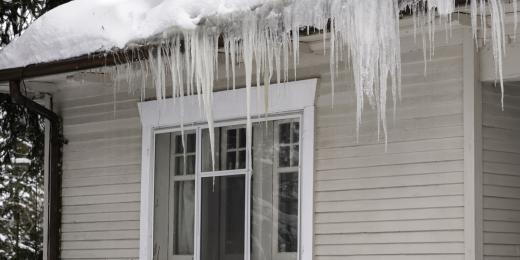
(101, 174)
(501, 156)
(402, 200)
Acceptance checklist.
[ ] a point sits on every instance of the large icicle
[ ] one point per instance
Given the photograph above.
(248, 38)
(498, 40)
(268, 39)
(478, 8)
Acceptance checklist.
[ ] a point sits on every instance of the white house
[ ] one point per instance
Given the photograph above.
(140, 181)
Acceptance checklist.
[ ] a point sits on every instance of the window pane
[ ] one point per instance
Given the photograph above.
(285, 133)
(296, 132)
(174, 206)
(184, 210)
(228, 149)
(231, 138)
(288, 212)
(242, 159)
(178, 144)
(161, 196)
(242, 138)
(284, 156)
(222, 218)
(295, 155)
(262, 221)
(231, 160)
(191, 143)
(179, 165)
(207, 164)
(190, 164)
(183, 161)
(274, 199)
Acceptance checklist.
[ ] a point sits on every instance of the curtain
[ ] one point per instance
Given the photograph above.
(262, 191)
(184, 217)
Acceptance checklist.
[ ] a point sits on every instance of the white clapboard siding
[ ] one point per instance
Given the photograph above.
(101, 174)
(501, 180)
(402, 200)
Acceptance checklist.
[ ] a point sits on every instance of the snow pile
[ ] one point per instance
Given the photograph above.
(87, 26)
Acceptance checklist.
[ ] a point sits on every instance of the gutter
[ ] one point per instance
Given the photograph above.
(83, 62)
(54, 183)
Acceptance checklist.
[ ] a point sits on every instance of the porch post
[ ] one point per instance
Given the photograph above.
(54, 181)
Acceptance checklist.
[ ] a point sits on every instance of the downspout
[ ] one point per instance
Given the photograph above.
(54, 184)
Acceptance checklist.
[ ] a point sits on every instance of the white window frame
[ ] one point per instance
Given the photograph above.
(290, 97)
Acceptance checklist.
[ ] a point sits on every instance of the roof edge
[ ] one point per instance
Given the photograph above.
(83, 62)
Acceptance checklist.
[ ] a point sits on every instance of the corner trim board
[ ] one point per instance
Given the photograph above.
(472, 106)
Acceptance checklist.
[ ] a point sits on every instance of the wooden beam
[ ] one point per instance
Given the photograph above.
(54, 178)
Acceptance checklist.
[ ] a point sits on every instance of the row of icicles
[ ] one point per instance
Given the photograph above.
(363, 34)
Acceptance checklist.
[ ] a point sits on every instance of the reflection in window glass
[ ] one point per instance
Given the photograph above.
(161, 195)
(262, 193)
(184, 160)
(230, 149)
(231, 138)
(289, 138)
(184, 209)
(274, 195)
(285, 133)
(288, 212)
(295, 159)
(284, 156)
(223, 218)
(191, 143)
(295, 132)
(174, 194)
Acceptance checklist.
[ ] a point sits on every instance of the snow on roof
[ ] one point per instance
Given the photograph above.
(363, 33)
(87, 26)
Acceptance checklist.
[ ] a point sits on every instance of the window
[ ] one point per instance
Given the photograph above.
(240, 213)
(194, 208)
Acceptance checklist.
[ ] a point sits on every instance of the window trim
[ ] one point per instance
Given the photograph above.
(290, 97)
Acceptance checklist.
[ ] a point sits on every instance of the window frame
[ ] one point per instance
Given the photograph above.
(285, 99)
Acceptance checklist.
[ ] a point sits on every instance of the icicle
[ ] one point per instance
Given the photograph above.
(226, 55)
(277, 61)
(248, 37)
(332, 61)
(444, 7)
(498, 40)
(474, 25)
(268, 71)
(233, 51)
(295, 48)
(285, 56)
(515, 17)
(203, 53)
(114, 96)
(372, 50)
(483, 15)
